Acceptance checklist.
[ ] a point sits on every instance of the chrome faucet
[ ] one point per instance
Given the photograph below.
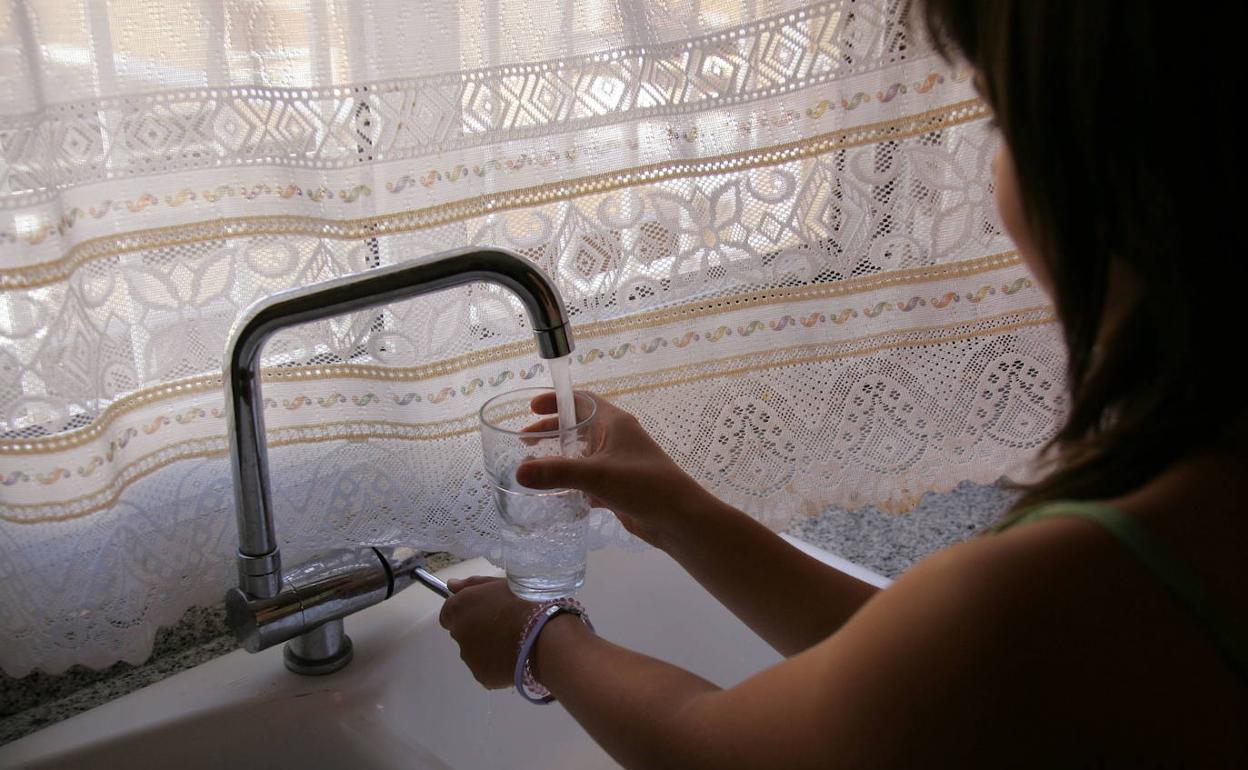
(306, 605)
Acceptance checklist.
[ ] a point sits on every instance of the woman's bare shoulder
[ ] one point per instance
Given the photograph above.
(1091, 632)
(914, 678)
(932, 671)
(1044, 646)
(1037, 647)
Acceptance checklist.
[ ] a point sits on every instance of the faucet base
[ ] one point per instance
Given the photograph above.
(323, 650)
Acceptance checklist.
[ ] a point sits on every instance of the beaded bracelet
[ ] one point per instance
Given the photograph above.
(528, 638)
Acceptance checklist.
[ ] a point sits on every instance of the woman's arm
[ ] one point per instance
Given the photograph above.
(790, 599)
(909, 681)
(630, 703)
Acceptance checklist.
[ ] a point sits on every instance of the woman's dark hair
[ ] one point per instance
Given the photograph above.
(1118, 116)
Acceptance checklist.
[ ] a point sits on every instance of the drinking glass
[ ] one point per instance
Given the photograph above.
(543, 530)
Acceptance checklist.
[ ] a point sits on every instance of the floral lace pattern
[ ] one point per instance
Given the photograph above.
(774, 235)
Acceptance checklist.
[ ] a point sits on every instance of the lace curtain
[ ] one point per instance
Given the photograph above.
(771, 222)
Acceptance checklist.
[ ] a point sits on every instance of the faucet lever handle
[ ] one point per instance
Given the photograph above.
(407, 566)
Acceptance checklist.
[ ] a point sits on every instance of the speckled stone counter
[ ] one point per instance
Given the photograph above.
(889, 543)
(883, 542)
(36, 701)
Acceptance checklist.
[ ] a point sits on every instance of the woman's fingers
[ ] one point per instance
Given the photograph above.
(544, 424)
(556, 473)
(544, 404)
(541, 426)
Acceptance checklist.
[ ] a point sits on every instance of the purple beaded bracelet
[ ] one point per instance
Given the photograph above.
(528, 638)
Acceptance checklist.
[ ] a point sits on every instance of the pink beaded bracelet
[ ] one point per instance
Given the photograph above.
(525, 682)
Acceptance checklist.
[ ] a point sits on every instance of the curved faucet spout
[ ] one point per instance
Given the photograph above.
(259, 562)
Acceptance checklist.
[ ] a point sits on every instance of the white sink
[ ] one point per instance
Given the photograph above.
(406, 701)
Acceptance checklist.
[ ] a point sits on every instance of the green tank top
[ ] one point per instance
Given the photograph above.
(1183, 585)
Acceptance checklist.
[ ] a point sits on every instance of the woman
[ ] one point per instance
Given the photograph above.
(1110, 631)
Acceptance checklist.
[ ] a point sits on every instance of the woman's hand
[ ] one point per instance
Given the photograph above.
(624, 470)
(486, 619)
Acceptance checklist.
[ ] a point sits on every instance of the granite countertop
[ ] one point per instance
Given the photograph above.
(886, 543)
